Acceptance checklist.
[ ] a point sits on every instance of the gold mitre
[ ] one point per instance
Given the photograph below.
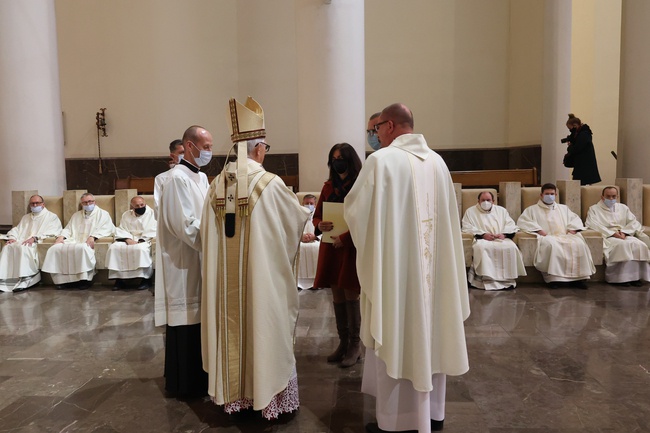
(246, 121)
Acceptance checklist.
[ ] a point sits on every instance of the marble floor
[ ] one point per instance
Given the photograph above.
(566, 360)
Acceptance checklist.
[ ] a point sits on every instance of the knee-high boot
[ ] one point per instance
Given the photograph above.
(341, 315)
(353, 353)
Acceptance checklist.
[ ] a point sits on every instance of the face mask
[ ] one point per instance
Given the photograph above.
(573, 130)
(340, 165)
(180, 156)
(204, 158)
(549, 198)
(373, 141)
(140, 210)
(36, 209)
(610, 203)
(486, 205)
(89, 208)
(311, 207)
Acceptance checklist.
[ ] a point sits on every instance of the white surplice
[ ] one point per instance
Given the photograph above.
(403, 219)
(626, 259)
(178, 299)
(19, 264)
(496, 264)
(250, 301)
(560, 256)
(132, 261)
(74, 260)
(308, 257)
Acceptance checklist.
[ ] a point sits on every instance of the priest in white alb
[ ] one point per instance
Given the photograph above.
(496, 261)
(178, 298)
(403, 219)
(71, 260)
(19, 264)
(625, 245)
(562, 255)
(251, 228)
(129, 256)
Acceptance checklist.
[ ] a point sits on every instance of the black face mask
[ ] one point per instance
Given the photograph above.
(140, 210)
(573, 130)
(340, 165)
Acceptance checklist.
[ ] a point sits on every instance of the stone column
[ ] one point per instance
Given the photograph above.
(631, 191)
(31, 129)
(569, 192)
(331, 83)
(634, 128)
(557, 87)
(510, 198)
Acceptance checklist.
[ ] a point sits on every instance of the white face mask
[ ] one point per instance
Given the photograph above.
(610, 202)
(549, 198)
(311, 207)
(36, 209)
(204, 158)
(89, 208)
(486, 205)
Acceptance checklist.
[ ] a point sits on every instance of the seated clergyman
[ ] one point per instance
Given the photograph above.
(497, 261)
(562, 254)
(19, 264)
(625, 245)
(71, 260)
(130, 256)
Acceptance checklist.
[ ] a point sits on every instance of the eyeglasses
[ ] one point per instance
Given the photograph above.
(370, 132)
(376, 127)
(87, 202)
(34, 203)
(266, 146)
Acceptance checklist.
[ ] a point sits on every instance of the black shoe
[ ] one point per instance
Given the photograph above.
(620, 284)
(84, 284)
(553, 285)
(119, 285)
(580, 284)
(145, 284)
(437, 425)
(637, 283)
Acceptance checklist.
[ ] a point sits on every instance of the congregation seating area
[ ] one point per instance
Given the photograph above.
(66, 205)
(511, 195)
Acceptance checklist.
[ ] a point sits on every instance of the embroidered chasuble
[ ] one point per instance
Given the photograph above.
(251, 229)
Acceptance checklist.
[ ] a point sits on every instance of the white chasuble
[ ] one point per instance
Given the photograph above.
(496, 264)
(132, 261)
(608, 221)
(560, 255)
(250, 299)
(404, 222)
(74, 260)
(18, 261)
(178, 298)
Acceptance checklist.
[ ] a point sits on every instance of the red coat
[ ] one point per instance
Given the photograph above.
(336, 266)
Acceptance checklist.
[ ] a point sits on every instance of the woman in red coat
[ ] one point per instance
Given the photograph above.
(337, 266)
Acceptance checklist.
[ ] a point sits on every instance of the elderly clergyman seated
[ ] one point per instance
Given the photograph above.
(71, 260)
(497, 261)
(130, 256)
(624, 244)
(19, 265)
(562, 254)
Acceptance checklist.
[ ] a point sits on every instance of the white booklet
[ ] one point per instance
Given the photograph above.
(333, 212)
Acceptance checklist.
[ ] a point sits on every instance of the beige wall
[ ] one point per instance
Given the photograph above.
(469, 69)
(158, 66)
(595, 75)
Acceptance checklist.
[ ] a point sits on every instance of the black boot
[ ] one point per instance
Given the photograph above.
(341, 315)
(353, 353)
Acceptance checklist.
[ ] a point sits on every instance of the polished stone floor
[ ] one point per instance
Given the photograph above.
(541, 361)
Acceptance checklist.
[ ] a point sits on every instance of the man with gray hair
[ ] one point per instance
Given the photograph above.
(251, 229)
(19, 258)
(71, 260)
